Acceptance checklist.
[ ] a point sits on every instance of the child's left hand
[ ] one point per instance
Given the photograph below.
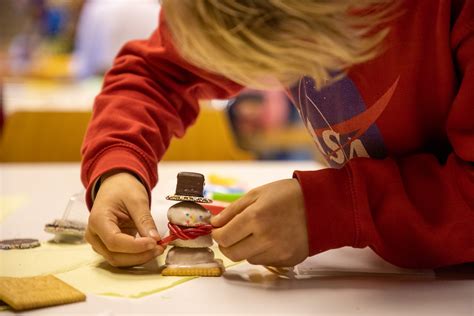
(266, 226)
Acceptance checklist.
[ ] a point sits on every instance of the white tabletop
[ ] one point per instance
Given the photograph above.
(45, 190)
(72, 96)
(50, 96)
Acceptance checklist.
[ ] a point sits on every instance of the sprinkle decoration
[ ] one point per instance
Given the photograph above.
(178, 232)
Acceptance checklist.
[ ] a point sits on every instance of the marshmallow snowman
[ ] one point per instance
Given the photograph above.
(190, 214)
(190, 256)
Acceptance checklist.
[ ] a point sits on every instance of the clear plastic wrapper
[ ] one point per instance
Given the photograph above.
(70, 228)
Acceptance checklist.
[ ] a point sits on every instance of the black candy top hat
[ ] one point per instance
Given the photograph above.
(190, 187)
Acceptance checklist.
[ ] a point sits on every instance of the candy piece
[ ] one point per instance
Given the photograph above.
(185, 233)
(66, 231)
(190, 183)
(20, 243)
(74, 227)
(196, 199)
(190, 187)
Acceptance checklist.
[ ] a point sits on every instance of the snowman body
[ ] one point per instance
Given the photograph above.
(191, 256)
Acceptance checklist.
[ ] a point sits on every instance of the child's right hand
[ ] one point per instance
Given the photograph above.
(120, 210)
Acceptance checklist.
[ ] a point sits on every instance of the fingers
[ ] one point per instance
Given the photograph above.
(141, 215)
(234, 231)
(120, 259)
(134, 199)
(121, 205)
(265, 259)
(233, 209)
(132, 231)
(267, 226)
(246, 248)
(116, 241)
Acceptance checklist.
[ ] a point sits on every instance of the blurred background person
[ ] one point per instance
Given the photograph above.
(267, 124)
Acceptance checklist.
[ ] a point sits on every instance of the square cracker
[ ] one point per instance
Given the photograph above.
(39, 291)
(191, 271)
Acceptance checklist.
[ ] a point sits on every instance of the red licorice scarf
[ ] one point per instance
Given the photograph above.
(185, 233)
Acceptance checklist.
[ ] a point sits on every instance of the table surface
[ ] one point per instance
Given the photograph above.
(41, 95)
(46, 189)
(47, 95)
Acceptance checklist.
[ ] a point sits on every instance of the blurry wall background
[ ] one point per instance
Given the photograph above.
(53, 54)
(105, 26)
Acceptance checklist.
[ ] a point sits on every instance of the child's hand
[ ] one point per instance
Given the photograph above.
(266, 226)
(120, 210)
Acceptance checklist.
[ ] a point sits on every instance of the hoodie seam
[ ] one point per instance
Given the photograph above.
(356, 215)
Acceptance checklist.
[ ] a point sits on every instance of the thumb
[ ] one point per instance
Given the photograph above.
(141, 216)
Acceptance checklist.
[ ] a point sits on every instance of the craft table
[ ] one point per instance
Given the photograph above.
(36, 194)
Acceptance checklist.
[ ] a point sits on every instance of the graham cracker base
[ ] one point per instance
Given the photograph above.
(189, 271)
(34, 292)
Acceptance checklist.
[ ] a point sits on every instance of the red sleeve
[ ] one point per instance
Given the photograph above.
(413, 211)
(150, 95)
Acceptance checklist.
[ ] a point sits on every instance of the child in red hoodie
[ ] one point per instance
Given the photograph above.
(387, 92)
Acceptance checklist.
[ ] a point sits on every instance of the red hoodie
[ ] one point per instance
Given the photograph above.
(398, 130)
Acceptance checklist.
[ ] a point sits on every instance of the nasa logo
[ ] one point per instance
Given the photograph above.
(341, 124)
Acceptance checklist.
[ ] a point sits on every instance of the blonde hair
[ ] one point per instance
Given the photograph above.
(247, 40)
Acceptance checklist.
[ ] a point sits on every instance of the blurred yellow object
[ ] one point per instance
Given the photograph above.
(43, 136)
(221, 180)
(57, 137)
(52, 67)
